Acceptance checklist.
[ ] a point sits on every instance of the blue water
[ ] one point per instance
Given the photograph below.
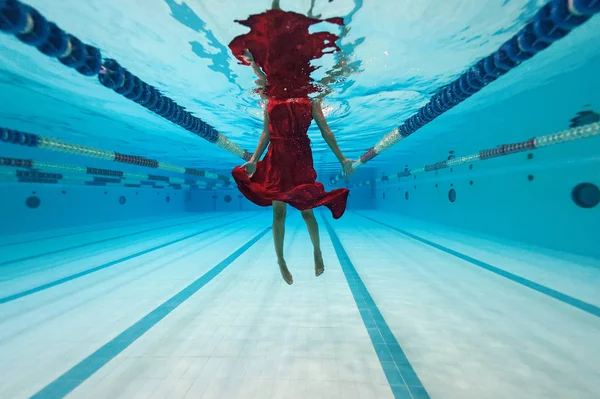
(400, 59)
(480, 280)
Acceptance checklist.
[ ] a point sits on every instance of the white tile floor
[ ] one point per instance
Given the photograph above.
(467, 332)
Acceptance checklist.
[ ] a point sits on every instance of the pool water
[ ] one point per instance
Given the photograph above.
(466, 265)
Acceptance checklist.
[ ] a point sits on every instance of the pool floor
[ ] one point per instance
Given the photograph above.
(193, 306)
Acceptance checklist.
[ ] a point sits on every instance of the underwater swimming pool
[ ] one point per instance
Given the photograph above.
(466, 264)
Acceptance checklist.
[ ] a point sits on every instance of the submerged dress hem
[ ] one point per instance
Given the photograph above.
(335, 200)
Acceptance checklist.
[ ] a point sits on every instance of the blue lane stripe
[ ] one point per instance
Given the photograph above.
(399, 372)
(131, 223)
(54, 283)
(564, 298)
(74, 377)
(8, 262)
(161, 265)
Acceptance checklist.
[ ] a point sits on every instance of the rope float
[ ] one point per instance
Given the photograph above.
(578, 133)
(30, 27)
(33, 140)
(50, 178)
(551, 23)
(36, 173)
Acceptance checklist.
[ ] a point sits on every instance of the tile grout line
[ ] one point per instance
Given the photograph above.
(542, 289)
(401, 376)
(74, 377)
(132, 222)
(83, 303)
(86, 272)
(8, 262)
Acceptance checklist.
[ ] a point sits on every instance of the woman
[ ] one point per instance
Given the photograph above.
(279, 48)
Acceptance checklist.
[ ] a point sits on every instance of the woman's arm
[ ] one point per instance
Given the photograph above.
(262, 77)
(329, 138)
(263, 141)
(326, 132)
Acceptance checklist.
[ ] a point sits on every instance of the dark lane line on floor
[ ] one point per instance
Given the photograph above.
(74, 377)
(8, 262)
(133, 222)
(86, 272)
(401, 376)
(18, 271)
(542, 289)
(49, 315)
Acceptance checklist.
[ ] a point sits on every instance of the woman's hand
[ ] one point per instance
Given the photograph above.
(347, 166)
(250, 167)
(248, 57)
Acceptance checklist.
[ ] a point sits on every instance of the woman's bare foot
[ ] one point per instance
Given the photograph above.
(285, 273)
(319, 265)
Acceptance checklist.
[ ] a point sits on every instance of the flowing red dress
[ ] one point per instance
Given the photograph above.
(282, 46)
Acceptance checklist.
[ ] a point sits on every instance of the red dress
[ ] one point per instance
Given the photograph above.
(282, 46)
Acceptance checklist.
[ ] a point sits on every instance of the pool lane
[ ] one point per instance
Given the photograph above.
(249, 335)
(542, 289)
(102, 305)
(70, 380)
(470, 333)
(400, 374)
(53, 283)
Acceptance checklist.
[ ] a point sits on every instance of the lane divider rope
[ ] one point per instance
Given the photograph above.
(15, 137)
(578, 133)
(32, 28)
(551, 23)
(45, 173)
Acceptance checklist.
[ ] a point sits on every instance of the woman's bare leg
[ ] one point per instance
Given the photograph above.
(313, 231)
(279, 211)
